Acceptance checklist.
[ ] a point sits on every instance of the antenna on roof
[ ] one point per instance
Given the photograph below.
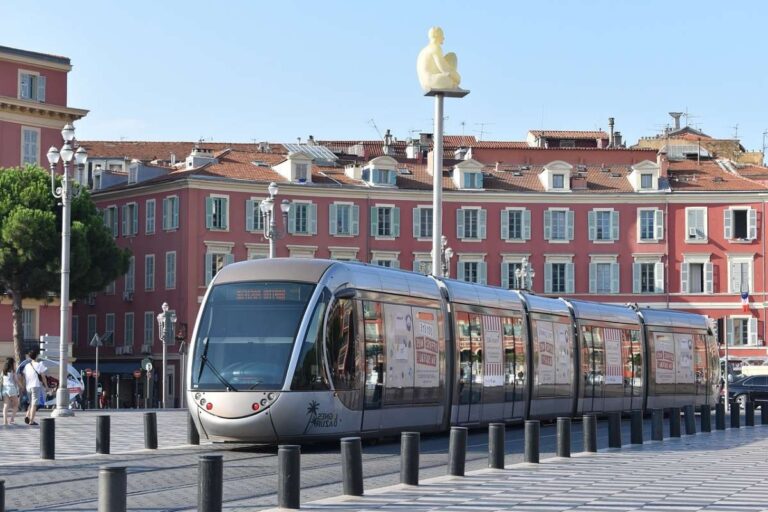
(373, 123)
(412, 131)
(482, 131)
(688, 116)
(736, 131)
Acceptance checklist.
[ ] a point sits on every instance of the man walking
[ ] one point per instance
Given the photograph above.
(36, 383)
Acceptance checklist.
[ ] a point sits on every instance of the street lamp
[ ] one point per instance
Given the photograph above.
(166, 322)
(64, 192)
(446, 253)
(524, 275)
(267, 207)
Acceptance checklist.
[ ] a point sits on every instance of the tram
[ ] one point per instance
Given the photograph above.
(293, 350)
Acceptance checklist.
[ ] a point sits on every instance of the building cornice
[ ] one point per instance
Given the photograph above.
(44, 115)
(40, 60)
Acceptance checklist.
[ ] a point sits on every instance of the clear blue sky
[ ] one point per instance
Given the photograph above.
(243, 70)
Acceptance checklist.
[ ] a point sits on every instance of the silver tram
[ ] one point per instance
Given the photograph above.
(290, 350)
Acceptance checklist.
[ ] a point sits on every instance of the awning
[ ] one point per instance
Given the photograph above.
(109, 367)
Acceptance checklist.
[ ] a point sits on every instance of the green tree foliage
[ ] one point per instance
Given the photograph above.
(30, 243)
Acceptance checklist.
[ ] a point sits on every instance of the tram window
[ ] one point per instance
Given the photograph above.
(340, 332)
(636, 375)
(700, 364)
(514, 358)
(374, 354)
(465, 357)
(309, 374)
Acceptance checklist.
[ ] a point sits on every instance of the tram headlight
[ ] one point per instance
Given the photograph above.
(271, 396)
(263, 402)
(197, 396)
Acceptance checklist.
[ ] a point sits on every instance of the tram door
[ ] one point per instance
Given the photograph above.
(470, 367)
(592, 366)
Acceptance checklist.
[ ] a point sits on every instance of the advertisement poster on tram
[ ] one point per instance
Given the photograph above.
(563, 359)
(426, 348)
(613, 366)
(684, 358)
(399, 333)
(546, 348)
(664, 357)
(494, 353)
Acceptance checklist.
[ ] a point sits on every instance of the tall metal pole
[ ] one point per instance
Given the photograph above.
(96, 378)
(272, 230)
(437, 186)
(165, 373)
(726, 398)
(62, 394)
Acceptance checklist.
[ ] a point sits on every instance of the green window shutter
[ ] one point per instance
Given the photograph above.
(729, 331)
(658, 276)
(728, 223)
(615, 225)
(591, 216)
(41, 88)
(249, 225)
(753, 331)
(505, 224)
(569, 278)
(684, 270)
(313, 219)
(175, 219)
(482, 216)
(547, 278)
(374, 221)
(393, 177)
(658, 224)
(415, 265)
(355, 220)
(615, 278)
(165, 213)
(395, 263)
(292, 219)
(208, 270)
(460, 224)
(708, 278)
(395, 221)
(416, 222)
(26, 87)
(752, 224)
(635, 278)
(569, 217)
(229, 258)
(592, 277)
(526, 224)
(332, 219)
(505, 275)
(135, 223)
(480, 180)
(460, 271)
(225, 213)
(482, 272)
(547, 225)
(125, 220)
(208, 212)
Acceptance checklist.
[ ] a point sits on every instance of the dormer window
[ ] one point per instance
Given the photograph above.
(473, 180)
(301, 172)
(468, 175)
(381, 171)
(383, 176)
(558, 181)
(556, 176)
(646, 181)
(296, 168)
(644, 176)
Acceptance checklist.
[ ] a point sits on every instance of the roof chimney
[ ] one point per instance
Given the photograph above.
(662, 162)
(311, 141)
(387, 148)
(676, 116)
(610, 134)
(617, 142)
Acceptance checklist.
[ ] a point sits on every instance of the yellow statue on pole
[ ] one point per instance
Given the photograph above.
(437, 71)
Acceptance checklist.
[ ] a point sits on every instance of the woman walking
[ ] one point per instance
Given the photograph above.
(10, 391)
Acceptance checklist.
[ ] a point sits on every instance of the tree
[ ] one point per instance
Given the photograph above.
(30, 243)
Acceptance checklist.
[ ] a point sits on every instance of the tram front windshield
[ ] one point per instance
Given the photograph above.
(246, 334)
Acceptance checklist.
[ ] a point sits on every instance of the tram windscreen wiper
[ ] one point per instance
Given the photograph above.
(204, 361)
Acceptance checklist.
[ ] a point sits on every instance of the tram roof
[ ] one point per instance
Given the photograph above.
(667, 318)
(538, 304)
(479, 295)
(386, 280)
(604, 312)
(290, 269)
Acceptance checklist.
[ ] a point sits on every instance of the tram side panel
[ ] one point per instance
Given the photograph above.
(552, 356)
(679, 371)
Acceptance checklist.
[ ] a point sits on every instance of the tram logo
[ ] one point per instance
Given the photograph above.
(318, 419)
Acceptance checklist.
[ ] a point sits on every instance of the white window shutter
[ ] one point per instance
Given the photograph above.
(396, 220)
(374, 221)
(547, 278)
(355, 220)
(25, 87)
(526, 224)
(615, 278)
(752, 224)
(708, 278)
(592, 277)
(684, 271)
(482, 217)
(592, 225)
(735, 274)
(249, 224)
(416, 222)
(753, 331)
(505, 224)
(332, 219)
(728, 223)
(41, 88)
(292, 219)
(504, 274)
(208, 269)
(570, 217)
(460, 271)
(635, 278)
(615, 225)
(460, 224)
(312, 219)
(547, 225)
(658, 276)
(482, 272)
(569, 288)
(729, 331)
(658, 224)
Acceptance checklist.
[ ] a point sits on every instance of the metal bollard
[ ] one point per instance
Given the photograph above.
(2, 495)
(720, 416)
(563, 437)
(496, 434)
(289, 476)
(705, 411)
(352, 466)
(674, 422)
(48, 438)
(150, 430)
(636, 427)
(409, 458)
(614, 430)
(532, 430)
(102, 434)
(457, 451)
(589, 424)
(690, 420)
(749, 414)
(210, 483)
(764, 413)
(657, 425)
(735, 414)
(113, 489)
(193, 436)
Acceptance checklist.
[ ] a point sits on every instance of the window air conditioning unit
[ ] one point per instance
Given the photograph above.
(118, 351)
(146, 349)
(128, 296)
(128, 349)
(692, 232)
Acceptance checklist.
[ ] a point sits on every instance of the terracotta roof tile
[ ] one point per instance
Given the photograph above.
(570, 134)
(707, 176)
(147, 151)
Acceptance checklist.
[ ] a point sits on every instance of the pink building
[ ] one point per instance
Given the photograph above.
(33, 110)
(602, 223)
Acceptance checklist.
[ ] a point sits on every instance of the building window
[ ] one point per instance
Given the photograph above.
(558, 181)
(646, 181)
(109, 329)
(740, 275)
(32, 87)
(516, 224)
(385, 263)
(28, 324)
(171, 213)
(128, 340)
(385, 221)
(110, 289)
(558, 225)
(254, 219)
(696, 224)
(422, 266)
(603, 277)
(741, 331)
(149, 272)
(558, 279)
(508, 277)
(149, 327)
(470, 224)
(170, 270)
(603, 225)
(648, 277)
(651, 225)
(302, 218)
(422, 222)
(130, 219)
(380, 176)
(216, 212)
(215, 261)
(130, 276)
(471, 271)
(740, 223)
(473, 180)
(110, 219)
(567, 143)
(301, 172)
(30, 146)
(91, 327)
(344, 219)
(149, 226)
(696, 277)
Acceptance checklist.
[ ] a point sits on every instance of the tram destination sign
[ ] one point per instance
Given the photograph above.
(280, 293)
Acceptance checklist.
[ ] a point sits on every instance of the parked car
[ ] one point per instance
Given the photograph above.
(754, 388)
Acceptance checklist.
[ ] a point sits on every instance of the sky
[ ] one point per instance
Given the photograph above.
(242, 71)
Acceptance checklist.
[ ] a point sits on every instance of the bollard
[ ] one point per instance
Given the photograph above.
(102, 434)
(193, 436)
(674, 422)
(657, 425)
(113, 489)
(614, 430)
(352, 466)
(457, 451)
(735, 414)
(150, 430)
(720, 416)
(749, 414)
(2, 495)
(764, 413)
(496, 434)
(210, 483)
(48, 438)
(636, 426)
(690, 420)
(409, 458)
(589, 424)
(706, 417)
(563, 437)
(532, 430)
(288, 476)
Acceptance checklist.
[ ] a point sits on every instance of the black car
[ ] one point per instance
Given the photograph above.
(754, 389)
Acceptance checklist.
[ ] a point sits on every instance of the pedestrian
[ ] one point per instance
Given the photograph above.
(10, 391)
(35, 383)
(103, 400)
